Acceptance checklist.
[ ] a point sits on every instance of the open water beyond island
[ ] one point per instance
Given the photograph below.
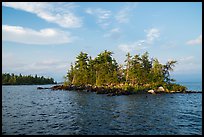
(26, 110)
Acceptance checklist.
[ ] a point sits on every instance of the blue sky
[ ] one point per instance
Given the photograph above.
(44, 38)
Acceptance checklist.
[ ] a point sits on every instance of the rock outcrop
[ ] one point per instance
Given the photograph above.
(112, 91)
(160, 89)
(42, 88)
(151, 91)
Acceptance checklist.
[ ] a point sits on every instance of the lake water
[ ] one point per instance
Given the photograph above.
(26, 110)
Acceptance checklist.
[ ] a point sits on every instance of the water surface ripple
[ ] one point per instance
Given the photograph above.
(26, 110)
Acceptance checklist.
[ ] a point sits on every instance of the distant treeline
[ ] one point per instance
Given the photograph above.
(12, 79)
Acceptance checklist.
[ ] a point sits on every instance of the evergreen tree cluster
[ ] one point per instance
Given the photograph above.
(104, 70)
(11, 79)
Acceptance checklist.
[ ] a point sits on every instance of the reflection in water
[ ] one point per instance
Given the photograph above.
(26, 110)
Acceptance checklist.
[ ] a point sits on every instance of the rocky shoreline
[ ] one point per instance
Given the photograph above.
(112, 91)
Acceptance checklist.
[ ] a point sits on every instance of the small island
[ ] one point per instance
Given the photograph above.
(104, 75)
(12, 79)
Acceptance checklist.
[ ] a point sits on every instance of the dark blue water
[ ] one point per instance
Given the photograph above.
(26, 110)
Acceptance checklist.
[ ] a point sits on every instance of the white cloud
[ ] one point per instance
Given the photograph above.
(102, 15)
(51, 65)
(125, 47)
(138, 45)
(114, 33)
(106, 18)
(197, 41)
(9, 61)
(187, 59)
(59, 13)
(89, 11)
(152, 35)
(188, 64)
(30, 36)
(123, 16)
(13, 64)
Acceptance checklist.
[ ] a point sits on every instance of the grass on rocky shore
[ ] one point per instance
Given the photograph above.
(124, 89)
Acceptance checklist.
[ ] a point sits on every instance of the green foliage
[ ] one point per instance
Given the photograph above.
(11, 79)
(166, 70)
(156, 72)
(100, 71)
(176, 87)
(146, 64)
(139, 72)
(106, 68)
(140, 88)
